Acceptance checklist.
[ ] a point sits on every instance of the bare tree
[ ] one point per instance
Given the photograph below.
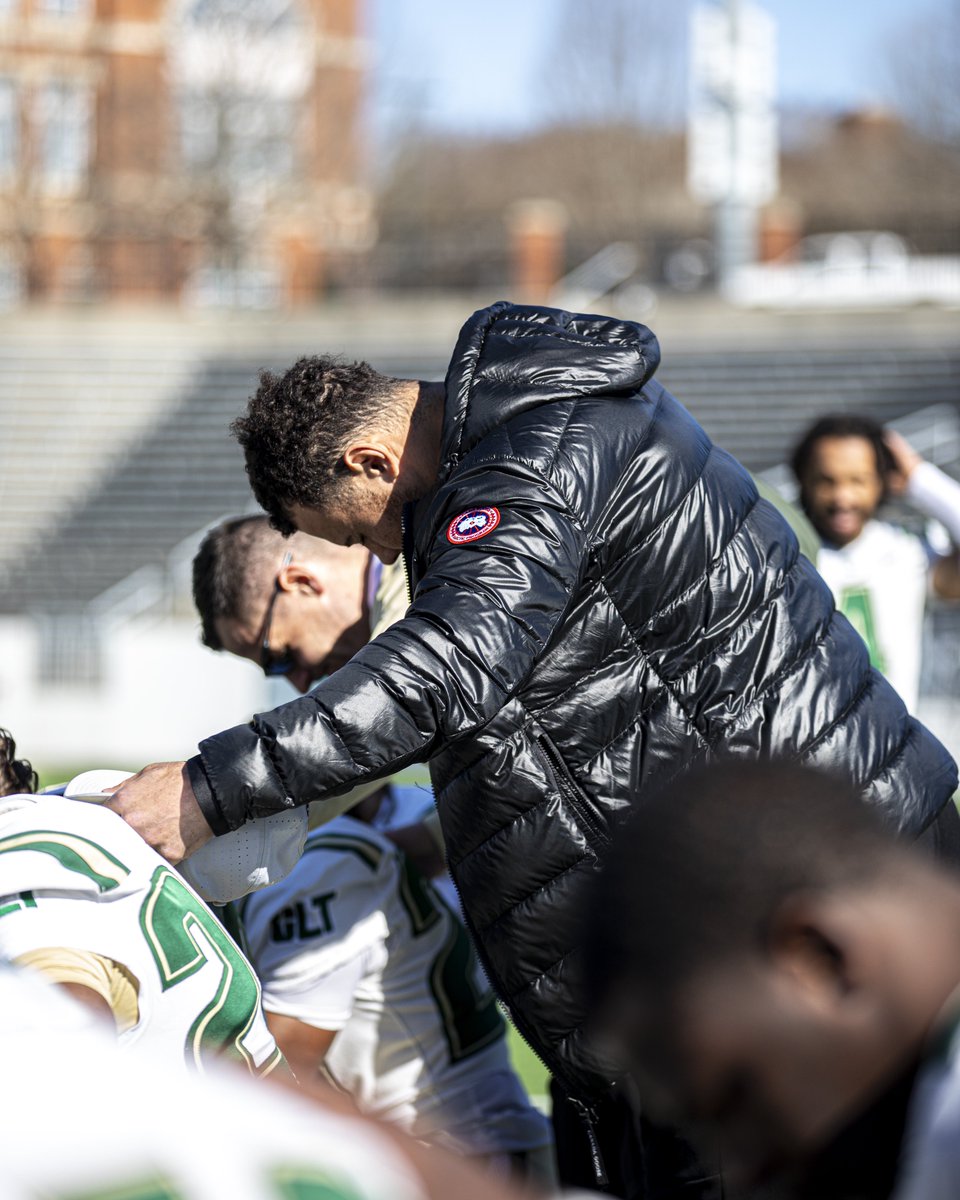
(922, 66)
(615, 62)
(239, 72)
(613, 77)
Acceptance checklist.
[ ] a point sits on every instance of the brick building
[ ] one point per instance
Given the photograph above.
(205, 150)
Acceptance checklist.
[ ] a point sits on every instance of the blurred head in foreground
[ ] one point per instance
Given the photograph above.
(766, 961)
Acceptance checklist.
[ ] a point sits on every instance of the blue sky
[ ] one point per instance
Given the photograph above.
(475, 67)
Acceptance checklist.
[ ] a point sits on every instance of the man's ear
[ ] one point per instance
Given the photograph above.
(373, 459)
(300, 577)
(807, 942)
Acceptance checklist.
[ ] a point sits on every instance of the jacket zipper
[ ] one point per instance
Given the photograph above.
(587, 1114)
(406, 554)
(569, 790)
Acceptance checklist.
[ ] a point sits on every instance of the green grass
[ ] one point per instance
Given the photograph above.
(51, 774)
(533, 1074)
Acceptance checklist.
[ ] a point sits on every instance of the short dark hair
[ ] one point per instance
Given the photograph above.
(226, 569)
(16, 774)
(298, 425)
(699, 871)
(842, 425)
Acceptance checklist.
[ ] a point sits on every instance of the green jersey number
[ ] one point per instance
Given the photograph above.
(171, 921)
(469, 1014)
(856, 604)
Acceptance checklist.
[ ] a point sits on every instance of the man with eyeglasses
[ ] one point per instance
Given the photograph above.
(300, 608)
(302, 613)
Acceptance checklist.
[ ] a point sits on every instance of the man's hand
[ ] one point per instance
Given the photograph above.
(905, 461)
(160, 805)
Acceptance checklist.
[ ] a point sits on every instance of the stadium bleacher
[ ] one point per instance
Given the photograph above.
(111, 457)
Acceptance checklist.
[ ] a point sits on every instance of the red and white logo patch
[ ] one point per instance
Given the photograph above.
(472, 525)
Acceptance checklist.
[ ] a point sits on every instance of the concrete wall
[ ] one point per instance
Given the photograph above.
(161, 693)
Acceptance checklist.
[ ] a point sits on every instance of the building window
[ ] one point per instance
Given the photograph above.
(63, 8)
(199, 132)
(252, 284)
(65, 119)
(250, 17)
(9, 128)
(11, 278)
(238, 138)
(242, 71)
(263, 135)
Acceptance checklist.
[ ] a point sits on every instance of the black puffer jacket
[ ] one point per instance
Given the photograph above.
(634, 609)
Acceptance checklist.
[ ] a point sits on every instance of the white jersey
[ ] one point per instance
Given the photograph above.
(879, 583)
(76, 876)
(91, 1120)
(225, 868)
(930, 1167)
(355, 940)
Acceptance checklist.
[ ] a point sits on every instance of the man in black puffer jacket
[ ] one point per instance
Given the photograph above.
(599, 600)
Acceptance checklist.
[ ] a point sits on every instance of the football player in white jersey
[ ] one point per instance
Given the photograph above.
(85, 901)
(108, 921)
(879, 573)
(369, 976)
(87, 1118)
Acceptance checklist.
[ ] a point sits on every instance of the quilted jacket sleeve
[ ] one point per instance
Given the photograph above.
(482, 613)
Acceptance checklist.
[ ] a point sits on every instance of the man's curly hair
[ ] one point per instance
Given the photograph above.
(298, 425)
(16, 774)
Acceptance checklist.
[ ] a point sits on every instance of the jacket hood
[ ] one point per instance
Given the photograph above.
(512, 357)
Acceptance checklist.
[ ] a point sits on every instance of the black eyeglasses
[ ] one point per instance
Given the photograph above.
(275, 664)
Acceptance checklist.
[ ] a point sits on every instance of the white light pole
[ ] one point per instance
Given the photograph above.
(732, 131)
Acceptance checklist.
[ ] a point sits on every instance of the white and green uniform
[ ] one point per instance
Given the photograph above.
(355, 940)
(75, 876)
(85, 1120)
(930, 1158)
(879, 583)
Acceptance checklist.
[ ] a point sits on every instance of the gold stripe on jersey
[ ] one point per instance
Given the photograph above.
(105, 976)
(73, 852)
(275, 1060)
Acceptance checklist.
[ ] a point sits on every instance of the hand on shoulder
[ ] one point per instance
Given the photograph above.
(160, 805)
